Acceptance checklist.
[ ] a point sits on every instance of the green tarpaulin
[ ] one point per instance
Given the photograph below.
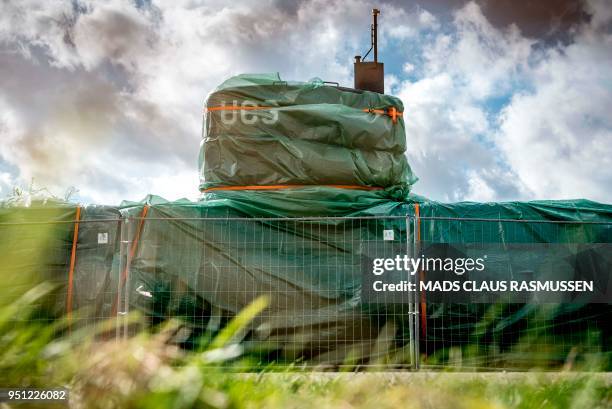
(260, 130)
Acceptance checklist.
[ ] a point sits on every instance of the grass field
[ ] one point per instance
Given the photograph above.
(149, 371)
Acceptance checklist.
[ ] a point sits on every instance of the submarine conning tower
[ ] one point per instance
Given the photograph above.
(264, 133)
(370, 75)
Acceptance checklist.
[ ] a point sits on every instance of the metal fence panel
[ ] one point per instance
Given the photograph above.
(206, 270)
(514, 335)
(71, 249)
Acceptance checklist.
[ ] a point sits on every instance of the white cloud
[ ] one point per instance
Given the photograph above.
(391, 83)
(447, 123)
(107, 96)
(408, 68)
(6, 183)
(45, 25)
(123, 35)
(553, 139)
(406, 25)
(558, 136)
(484, 61)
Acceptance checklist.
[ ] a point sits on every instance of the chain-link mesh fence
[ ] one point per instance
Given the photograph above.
(72, 252)
(527, 334)
(204, 270)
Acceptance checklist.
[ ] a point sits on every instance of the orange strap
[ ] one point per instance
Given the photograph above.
(417, 214)
(132, 254)
(278, 187)
(75, 238)
(392, 112)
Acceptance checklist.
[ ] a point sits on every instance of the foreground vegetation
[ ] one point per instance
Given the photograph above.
(148, 370)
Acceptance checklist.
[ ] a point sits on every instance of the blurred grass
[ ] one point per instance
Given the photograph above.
(148, 370)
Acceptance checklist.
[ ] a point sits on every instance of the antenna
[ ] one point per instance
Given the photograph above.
(375, 13)
(370, 76)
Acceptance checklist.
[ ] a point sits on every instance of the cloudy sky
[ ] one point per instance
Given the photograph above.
(503, 100)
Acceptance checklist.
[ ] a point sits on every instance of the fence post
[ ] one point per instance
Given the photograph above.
(124, 227)
(411, 298)
(126, 283)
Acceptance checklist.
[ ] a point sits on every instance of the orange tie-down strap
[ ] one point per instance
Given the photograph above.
(279, 187)
(391, 112)
(75, 239)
